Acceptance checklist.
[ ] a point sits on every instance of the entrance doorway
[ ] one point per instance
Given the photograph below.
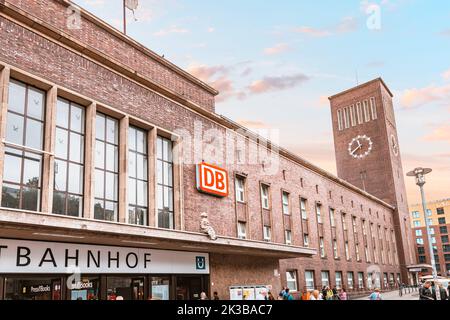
(190, 288)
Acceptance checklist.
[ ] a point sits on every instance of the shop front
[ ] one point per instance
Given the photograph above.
(36, 270)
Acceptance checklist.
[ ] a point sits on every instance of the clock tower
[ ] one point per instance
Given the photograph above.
(368, 154)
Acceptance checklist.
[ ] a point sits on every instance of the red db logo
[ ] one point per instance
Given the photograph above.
(212, 180)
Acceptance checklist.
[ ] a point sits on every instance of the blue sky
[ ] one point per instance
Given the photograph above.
(275, 62)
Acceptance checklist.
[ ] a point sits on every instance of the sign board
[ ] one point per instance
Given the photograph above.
(18, 256)
(212, 180)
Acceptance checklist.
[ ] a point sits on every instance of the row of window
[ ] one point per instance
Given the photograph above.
(371, 281)
(357, 114)
(417, 214)
(388, 239)
(25, 148)
(418, 223)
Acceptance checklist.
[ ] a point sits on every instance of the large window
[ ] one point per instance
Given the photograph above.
(366, 111)
(335, 249)
(242, 230)
(416, 215)
(340, 120)
(325, 278)
(106, 168)
(359, 113)
(303, 209)
(322, 248)
(373, 108)
(24, 147)
(360, 280)
(265, 197)
(332, 218)
(69, 159)
(288, 237)
(285, 199)
(318, 213)
(137, 176)
(353, 115)
(291, 280)
(442, 221)
(165, 183)
(350, 280)
(338, 279)
(346, 118)
(347, 251)
(309, 280)
(240, 189)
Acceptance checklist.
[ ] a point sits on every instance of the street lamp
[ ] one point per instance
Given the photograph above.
(419, 174)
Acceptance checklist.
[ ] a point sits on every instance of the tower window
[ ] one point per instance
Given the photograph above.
(346, 118)
(353, 115)
(366, 111)
(373, 108)
(359, 113)
(340, 121)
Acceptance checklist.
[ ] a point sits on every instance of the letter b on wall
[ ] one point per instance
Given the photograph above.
(212, 180)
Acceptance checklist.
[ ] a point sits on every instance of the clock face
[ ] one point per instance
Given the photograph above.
(394, 145)
(360, 147)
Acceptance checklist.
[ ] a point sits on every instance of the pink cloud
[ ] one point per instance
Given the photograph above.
(418, 97)
(277, 49)
(277, 83)
(446, 75)
(251, 124)
(313, 32)
(441, 133)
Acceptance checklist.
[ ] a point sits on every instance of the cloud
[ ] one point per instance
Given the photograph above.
(445, 33)
(211, 30)
(277, 49)
(376, 64)
(171, 30)
(346, 25)
(441, 133)
(446, 75)
(268, 84)
(312, 32)
(412, 98)
(205, 73)
(253, 124)
(246, 72)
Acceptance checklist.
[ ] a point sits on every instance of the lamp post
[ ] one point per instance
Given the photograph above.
(419, 174)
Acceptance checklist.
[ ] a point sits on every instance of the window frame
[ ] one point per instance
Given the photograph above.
(240, 190)
(265, 197)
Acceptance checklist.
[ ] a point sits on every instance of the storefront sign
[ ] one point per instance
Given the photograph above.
(17, 256)
(212, 180)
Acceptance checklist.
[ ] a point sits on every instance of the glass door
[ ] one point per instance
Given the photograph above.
(137, 289)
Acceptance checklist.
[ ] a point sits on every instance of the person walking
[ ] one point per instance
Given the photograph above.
(203, 296)
(329, 294)
(315, 295)
(270, 296)
(216, 296)
(288, 296)
(376, 295)
(425, 293)
(343, 294)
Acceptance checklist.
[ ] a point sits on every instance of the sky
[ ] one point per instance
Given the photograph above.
(276, 62)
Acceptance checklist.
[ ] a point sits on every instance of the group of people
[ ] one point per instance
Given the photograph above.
(428, 291)
(327, 293)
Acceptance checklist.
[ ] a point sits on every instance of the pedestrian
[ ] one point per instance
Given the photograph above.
(270, 296)
(287, 295)
(442, 291)
(216, 296)
(315, 295)
(281, 296)
(343, 294)
(203, 296)
(425, 293)
(335, 293)
(376, 295)
(329, 294)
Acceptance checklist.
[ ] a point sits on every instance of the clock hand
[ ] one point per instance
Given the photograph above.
(357, 148)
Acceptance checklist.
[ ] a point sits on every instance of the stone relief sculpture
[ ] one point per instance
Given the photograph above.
(206, 227)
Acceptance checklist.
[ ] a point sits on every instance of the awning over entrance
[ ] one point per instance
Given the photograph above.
(36, 226)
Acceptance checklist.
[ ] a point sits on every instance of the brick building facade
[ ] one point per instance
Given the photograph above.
(130, 186)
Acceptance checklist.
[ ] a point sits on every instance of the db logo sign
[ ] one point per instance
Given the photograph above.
(212, 180)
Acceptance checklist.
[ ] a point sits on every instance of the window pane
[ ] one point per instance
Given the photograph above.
(99, 211)
(75, 179)
(99, 184)
(34, 134)
(141, 167)
(141, 142)
(166, 150)
(159, 148)
(100, 155)
(12, 168)
(31, 173)
(76, 148)
(168, 174)
(74, 206)
(60, 175)
(112, 153)
(132, 164)
(110, 211)
(132, 139)
(10, 196)
(160, 197)
(14, 129)
(112, 135)
(160, 172)
(141, 193)
(59, 203)
(132, 191)
(100, 127)
(35, 103)
(62, 114)
(61, 143)
(111, 186)
(16, 96)
(30, 199)
(77, 119)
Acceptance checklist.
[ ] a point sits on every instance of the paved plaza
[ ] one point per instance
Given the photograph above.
(394, 295)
